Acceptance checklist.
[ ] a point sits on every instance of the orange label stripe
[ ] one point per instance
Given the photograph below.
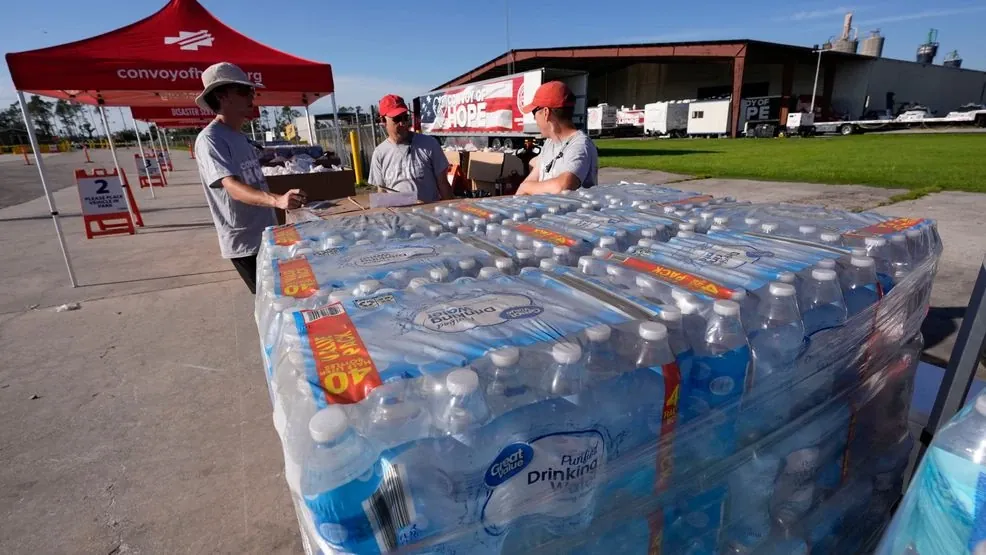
(548, 235)
(894, 225)
(286, 235)
(297, 278)
(474, 210)
(345, 370)
(682, 279)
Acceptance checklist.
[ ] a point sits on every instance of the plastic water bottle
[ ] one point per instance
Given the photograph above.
(859, 284)
(608, 242)
(526, 259)
(807, 232)
(671, 317)
(878, 249)
(562, 255)
(341, 471)
(821, 300)
(718, 379)
(493, 232)
(468, 267)
(776, 337)
(830, 238)
(601, 359)
(506, 389)
(566, 376)
(900, 257)
(465, 409)
(439, 274)
(395, 417)
(505, 265)
(942, 511)
(488, 272)
(366, 288)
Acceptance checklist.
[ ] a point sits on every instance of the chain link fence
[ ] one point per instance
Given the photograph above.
(370, 135)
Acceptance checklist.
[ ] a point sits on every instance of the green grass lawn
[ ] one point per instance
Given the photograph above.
(923, 163)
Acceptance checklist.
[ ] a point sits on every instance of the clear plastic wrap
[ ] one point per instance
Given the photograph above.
(594, 407)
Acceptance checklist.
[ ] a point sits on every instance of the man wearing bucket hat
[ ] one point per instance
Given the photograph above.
(235, 188)
(407, 161)
(568, 159)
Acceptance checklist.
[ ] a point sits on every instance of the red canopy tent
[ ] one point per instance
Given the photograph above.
(158, 61)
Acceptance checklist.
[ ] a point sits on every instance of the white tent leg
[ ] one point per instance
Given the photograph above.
(143, 160)
(116, 162)
(311, 127)
(44, 185)
(167, 145)
(338, 135)
(160, 144)
(253, 131)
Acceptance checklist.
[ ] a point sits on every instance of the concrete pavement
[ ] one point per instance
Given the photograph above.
(141, 422)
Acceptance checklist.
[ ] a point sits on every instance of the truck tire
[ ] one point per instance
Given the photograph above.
(847, 129)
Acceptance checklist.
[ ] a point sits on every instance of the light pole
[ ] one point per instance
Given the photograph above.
(814, 86)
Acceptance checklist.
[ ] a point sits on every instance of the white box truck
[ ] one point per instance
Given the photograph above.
(666, 118)
(708, 118)
(601, 120)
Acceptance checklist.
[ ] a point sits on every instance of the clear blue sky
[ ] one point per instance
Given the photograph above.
(406, 47)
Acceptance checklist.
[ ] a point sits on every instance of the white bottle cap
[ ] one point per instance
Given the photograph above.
(416, 236)
(640, 205)
(680, 213)
(614, 201)
(807, 229)
(525, 256)
(827, 263)
(503, 263)
(644, 282)
(913, 233)
(717, 228)
(720, 220)
(492, 228)
(518, 217)
(418, 282)
(981, 405)
(706, 215)
(467, 264)
(504, 357)
(523, 241)
(387, 233)
(547, 264)
(649, 233)
(359, 234)
(681, 296)
(823, 274)
(686, 227)
(861, 261)
(452, 226)
(435, 228)
(829, 237)
(600, 252)
(328, 424)
(608, 242)
(669, 209)
(871, 242)
(362, 242)
(751, 221)
(652, 331)
(786, 277)
(687, 206)
(488, 272)
(587, 205)
(560, 250)
(645, 242)
(586, 262)
(769, 227)
(684, 234)
(368, 286)
(438, 274)
(599, 333)
(669, 313)
(462, 381)
(858, 252)
(615, 271)
(898, 238)
(531, 211)
(689, 306)
(726, 308)
(505, 233)
(779, 289)
(566, 353)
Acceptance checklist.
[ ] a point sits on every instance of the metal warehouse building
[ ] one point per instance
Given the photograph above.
(848, 84)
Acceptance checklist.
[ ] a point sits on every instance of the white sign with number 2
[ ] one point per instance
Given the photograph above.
(101, 195)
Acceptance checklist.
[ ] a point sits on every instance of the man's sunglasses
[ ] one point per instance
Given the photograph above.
(402, 118)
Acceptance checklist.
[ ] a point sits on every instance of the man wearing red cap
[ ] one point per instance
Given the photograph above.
(568, 159)
(406, 161)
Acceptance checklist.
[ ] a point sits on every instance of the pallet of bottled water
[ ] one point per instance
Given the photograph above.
(630, 369)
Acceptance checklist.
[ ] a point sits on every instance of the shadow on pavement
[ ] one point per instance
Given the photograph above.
(138, 280)
(173, 227)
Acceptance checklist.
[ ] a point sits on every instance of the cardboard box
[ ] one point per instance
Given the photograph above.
(494, 166)
(460, 159)
(318, 186)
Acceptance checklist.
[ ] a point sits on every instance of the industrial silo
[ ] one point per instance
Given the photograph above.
(928, 50)
(873, 44)
(847, 42)
(952, 59)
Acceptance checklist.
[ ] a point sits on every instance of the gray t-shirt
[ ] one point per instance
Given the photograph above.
(413, 167)
(576, 155)
(222, 152)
